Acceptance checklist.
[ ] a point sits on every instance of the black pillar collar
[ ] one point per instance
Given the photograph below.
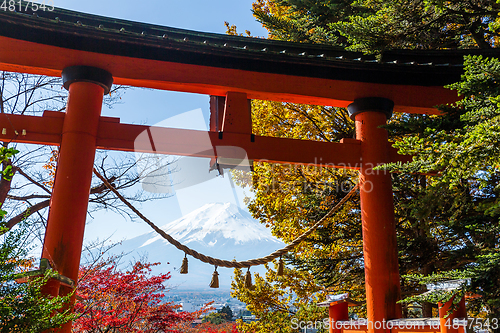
(376, 104)
(87, 74)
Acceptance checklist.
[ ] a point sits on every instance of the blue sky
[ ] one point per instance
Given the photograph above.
(201, 15)
(142, 106)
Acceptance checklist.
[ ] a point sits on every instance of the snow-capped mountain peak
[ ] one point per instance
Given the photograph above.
(221, 230)
(213, 223)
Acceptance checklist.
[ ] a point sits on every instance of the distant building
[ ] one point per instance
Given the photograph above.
(196, 322)
(218, 306)
(247, 319)
(187, 306)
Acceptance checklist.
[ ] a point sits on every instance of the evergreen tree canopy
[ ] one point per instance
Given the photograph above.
(445, 223)
(375, 25)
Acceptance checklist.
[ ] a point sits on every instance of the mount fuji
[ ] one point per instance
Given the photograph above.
(220, 230)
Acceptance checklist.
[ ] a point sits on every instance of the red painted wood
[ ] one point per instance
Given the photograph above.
(446, 319)
(33, 58)
(377, 213)
(70, 195)
(337, 312)
(216, 112)
(113, 135)
(32, 129)
(237, 114)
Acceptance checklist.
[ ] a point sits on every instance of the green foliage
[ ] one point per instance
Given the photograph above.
(375, 25)
(226, 312)
(304, 20)
(463, 143)
(5, 155)
(23, 308)
(215, 318)
(427, 24)
(486, 281)
(439, 295)
(482, 279)
(461, 146)
(444, 224)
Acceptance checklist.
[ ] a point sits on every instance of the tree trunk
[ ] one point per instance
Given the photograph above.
(5, 183)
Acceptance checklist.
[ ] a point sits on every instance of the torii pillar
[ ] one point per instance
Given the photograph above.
(377, 212)
(68, 205)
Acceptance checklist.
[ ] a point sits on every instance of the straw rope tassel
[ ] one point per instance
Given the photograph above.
(215, 279)
(280, 268)
(248, 280)
(184, 266)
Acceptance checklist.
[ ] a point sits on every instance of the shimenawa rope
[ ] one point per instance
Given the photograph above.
(220, 262)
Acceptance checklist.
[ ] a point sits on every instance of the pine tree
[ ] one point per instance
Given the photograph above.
(376, 25)
(462, 146)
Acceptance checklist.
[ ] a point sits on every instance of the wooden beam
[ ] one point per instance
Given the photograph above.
(113, 135)
(216, 113)
(237, 114)
(44, 130)
(28, 57)
(172, 141)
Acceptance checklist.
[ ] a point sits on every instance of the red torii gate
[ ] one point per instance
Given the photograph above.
(91, 51)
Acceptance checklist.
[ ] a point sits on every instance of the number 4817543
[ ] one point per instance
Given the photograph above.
(23, 6)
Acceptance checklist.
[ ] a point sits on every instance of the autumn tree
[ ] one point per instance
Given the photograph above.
(214, 318)
(290, 199)
(111, 300)
(226, 312)
(221, 316)
(440, 227)
(279, 301)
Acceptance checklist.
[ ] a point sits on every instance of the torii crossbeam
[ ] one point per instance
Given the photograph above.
(91, 51)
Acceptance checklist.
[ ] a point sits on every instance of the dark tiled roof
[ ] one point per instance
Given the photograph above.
(94, 33)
